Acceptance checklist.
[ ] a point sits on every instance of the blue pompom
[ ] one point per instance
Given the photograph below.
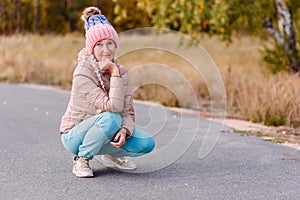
(94, 20)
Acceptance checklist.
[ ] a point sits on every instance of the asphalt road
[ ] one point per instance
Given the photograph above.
(35, 165)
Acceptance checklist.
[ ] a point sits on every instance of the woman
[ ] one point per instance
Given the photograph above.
(99, 119)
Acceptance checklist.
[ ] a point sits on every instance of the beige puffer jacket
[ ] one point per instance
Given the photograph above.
(88, 98)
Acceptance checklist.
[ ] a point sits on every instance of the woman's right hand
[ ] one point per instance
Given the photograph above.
(119, 139)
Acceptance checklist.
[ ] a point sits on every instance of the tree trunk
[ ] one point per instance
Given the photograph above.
(285, 19)
(3, 16)
(286, 25)
(59, 11)
(18, 15)
(96, 3)
(43, 23)
(36, 16)
(11, 20)
(268, 24)
(286, 35)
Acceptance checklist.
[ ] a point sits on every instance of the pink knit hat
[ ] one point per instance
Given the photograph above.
(98, 28)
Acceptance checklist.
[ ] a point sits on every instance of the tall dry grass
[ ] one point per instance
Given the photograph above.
(252, 92)
(170, 69)
(271, 99)
(39, 59)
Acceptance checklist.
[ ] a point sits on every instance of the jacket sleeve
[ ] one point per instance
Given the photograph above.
(113, 102)
(127, 114)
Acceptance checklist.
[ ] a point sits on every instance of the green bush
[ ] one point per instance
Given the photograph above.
(277, 59)
(274, 117)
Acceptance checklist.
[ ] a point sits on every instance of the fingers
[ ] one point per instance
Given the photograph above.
(117, 137)
(106, 65)
(120, 137)
(118, 144)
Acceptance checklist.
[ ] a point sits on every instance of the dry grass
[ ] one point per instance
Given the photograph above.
(271, 99)
(170, 79)
(39, 59)
(251, 92)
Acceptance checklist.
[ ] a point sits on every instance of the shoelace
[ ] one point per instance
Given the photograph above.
(122, 160)
(83, 163)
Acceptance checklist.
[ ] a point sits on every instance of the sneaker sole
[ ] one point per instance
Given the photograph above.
(82, 176)
(109, 163)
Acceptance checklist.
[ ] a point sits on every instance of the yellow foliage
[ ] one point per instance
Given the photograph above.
(201, 6)
(117, 9)
(217, 1)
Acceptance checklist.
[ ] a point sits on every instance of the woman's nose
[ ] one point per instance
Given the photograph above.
(105, 47)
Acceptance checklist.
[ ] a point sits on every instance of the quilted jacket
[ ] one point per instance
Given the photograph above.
(88, 98)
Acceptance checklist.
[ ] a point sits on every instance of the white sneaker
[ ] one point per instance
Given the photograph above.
(117, 163)
(81, 168)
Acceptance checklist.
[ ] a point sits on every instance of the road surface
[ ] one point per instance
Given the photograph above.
(35, 165)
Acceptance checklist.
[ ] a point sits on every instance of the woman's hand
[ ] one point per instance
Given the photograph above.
(120, 138)
(107, 65)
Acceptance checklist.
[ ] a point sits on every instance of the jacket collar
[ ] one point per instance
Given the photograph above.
(92, 62)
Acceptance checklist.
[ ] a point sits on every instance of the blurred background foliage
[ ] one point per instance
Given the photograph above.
(224, 18)
(63, 16)
(227, 18)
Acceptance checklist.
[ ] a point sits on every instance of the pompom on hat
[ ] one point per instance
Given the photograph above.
(97, 28)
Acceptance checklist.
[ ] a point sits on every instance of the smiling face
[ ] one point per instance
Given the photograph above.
(105, 50)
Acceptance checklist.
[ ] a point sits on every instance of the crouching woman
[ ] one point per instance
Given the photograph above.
(99, 119)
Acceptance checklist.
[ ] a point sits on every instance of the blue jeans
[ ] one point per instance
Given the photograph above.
(92, 137)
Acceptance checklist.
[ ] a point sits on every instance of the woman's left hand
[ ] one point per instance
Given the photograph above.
(119, 139)
(107, 65)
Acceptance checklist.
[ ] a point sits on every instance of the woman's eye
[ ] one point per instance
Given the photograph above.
(110, 43)
(100, 45)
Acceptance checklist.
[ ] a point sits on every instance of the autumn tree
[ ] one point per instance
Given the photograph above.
(128, 15)
(286, 52)
(279, 19)
(223, 18)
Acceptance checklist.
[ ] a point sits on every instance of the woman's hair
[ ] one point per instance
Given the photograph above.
(99, 76)
(89, 11)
